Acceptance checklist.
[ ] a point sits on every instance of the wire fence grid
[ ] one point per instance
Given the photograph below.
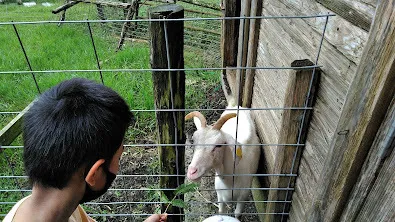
(203, 35)
(140, 161)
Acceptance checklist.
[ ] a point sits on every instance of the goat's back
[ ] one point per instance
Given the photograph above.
(246, 134)
(245, 125)
(248, 164)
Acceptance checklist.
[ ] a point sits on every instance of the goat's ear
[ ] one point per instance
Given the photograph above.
(197, 122)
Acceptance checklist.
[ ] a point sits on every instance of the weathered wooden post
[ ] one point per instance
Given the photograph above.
(242, 49)
(256, 10)
(169, 90)
(293, 130)
(229, 42)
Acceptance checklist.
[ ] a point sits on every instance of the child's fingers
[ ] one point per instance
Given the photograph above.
(163, 217)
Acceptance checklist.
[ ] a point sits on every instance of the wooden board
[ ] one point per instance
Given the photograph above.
(381, 149)
(13, 128)
(294, 122)
(366, 104)
(282, 41)
(379, 205)
(256, 10)
(342, 34)
(242, 48)
(229, 44)
(349, 11)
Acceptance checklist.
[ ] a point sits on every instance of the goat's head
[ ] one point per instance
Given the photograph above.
(209, 142)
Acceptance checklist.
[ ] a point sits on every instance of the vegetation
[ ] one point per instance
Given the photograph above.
(181, 190)
(69, 47)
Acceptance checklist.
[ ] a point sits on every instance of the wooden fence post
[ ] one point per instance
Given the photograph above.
(288, 157)
(242, 49)
(367, 101)
(229, 43)
(170, 124)
(256, 10)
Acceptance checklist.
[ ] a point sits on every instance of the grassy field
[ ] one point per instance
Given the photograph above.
(69, 47)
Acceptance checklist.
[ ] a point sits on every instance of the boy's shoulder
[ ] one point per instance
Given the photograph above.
(10, 216)
(79, 215)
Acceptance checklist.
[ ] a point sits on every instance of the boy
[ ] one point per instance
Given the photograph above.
(72, 145)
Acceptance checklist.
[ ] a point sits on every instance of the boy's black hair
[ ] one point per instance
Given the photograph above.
(71, 125)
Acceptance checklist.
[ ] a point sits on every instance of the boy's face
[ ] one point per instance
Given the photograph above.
(114, 165)
(113, 168)
(101, 179)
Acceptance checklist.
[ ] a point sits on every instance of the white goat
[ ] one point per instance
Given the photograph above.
(223, 158)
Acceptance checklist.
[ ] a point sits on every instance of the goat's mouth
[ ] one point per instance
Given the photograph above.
(194, 174)
(194, 179)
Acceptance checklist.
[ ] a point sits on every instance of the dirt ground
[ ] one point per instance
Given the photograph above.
(144, 161)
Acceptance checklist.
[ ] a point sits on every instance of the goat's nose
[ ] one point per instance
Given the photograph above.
(192, 170)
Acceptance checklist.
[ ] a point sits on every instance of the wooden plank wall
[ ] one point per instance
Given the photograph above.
(367, 102)
(282, 41)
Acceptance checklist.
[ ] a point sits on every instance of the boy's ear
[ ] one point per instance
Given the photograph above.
(93, 173)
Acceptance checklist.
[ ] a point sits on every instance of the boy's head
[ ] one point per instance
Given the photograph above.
(72, 125)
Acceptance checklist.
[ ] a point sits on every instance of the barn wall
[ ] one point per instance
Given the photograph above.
(282, 41)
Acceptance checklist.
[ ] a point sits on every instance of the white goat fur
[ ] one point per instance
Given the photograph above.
(223, 158)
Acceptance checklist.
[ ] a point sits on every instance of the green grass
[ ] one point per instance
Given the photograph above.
(69, 47)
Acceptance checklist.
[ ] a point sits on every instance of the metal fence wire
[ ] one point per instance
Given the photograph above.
(135, 193)
(203, 35)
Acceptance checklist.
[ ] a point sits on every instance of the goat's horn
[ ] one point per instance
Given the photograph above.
(222, 120)
(197, 114)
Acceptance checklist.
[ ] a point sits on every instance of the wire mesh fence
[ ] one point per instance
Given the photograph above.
(136, 192)
(202, 35)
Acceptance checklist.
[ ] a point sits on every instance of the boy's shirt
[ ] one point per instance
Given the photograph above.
(79, 215)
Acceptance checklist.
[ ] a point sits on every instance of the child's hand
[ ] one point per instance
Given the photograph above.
(157, 218)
